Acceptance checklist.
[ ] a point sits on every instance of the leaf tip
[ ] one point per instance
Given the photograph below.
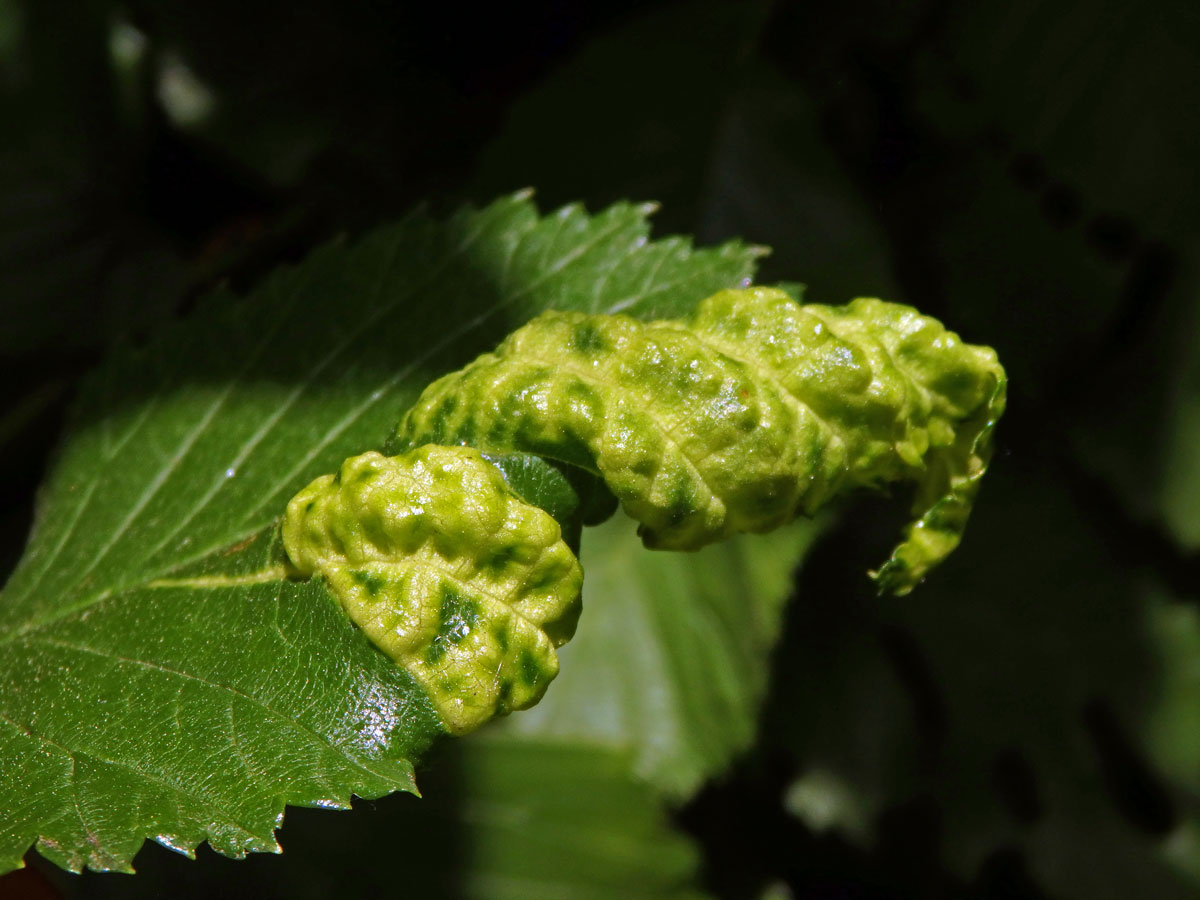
(176, 844)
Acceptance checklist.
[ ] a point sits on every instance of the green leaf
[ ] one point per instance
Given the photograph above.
(500, 819)
(1066, 85)
(558, 820)
(633, 111)
(771, 172)
(1031, 695)
(1142, 430)
(1070, 80)
(157, 681)
(1082, 183)
(696, 632)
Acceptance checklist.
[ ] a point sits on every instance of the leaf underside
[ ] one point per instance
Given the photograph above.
(151, 688)
(696, 631)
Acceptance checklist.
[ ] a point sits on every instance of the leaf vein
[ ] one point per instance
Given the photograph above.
(188, 676)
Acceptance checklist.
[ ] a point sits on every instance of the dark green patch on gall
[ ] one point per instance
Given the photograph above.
(532, 379)
(585, 399)
(530, 668)
(772, 501)
(498, 433)
(502, 558)
(545, 577)
(457, 615)
(465, 433)
(586, 338)
(962, 387)
(436, 652)
(681, 503)
(645, 466)
(372, 582)
(436, 427)
(500, 633)
(565, 445)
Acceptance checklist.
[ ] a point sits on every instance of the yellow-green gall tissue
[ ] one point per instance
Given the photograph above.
(462, 583)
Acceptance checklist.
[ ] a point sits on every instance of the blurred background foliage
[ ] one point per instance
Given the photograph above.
(1026, 724)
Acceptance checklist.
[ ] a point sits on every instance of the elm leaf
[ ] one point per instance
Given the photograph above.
(159, 677)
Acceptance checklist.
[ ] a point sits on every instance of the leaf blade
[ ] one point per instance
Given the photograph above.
(696, 632)
(180, 458)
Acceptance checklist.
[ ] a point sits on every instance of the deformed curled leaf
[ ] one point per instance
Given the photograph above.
(753, 411)
(462, 583)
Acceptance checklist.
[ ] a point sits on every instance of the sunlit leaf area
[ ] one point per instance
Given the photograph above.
(238, 240)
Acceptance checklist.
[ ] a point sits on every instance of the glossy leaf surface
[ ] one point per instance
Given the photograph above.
(156, 679)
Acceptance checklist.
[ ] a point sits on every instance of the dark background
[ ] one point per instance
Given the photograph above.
(1027, 724)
